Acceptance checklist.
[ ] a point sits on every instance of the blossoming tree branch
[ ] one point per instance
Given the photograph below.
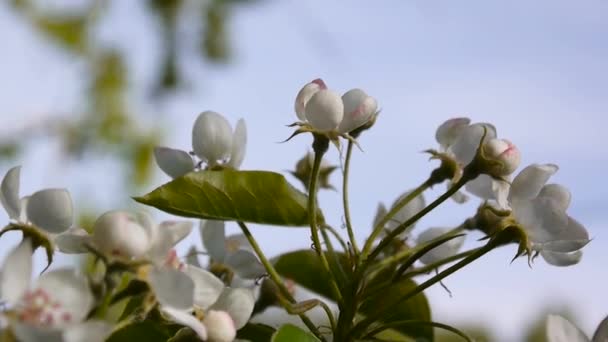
(136, 286)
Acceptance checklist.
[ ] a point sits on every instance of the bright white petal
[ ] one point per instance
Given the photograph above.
(238, 303)
(304, 96)
(601, 334)
(220, 326)
(23, 213)
(213, 235)
(73, 241)
(501, 191)
(561, 259)
(31, 333)
(90, 331)
(207, 287)
(358, 109)
(212, 137)
(560, 329)
(448, 132)
(529, 182)
(51, 210)
(167, 235)
(325, 110)
(557, 193)
(481, 187)
(186, 319)
(465, 146)
(172, 288)
(245, 264)
(542, 218)
(409, 210)
(9, 192)
(70, 289)
(445, 250)
(175, 163)
(239, 145)
(121, 233)
(572, 238)
(16, 272)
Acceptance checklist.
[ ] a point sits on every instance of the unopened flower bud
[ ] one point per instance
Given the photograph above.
(304, 96)
(212, 137)
(120, 234)
(220, 326)
(325, 110)
(358, 110)
(505, 154)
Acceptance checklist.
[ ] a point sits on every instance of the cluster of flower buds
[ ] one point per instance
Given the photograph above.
(213, 142)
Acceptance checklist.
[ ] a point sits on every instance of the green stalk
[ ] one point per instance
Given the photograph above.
(274, 275)
(347, 220)
(364, 324)
(314, 229)
(379, 227)
(431, 267)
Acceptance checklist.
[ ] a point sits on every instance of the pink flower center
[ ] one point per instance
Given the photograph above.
(173, 261)
(38, 307)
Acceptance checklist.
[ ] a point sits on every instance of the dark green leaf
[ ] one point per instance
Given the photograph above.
(256, 332)
(304, 268)
(248, 196)
(291, 333)
(143, 331)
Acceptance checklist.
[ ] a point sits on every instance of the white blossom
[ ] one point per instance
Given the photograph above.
(410, 209)
(445, 250)
(559, 329)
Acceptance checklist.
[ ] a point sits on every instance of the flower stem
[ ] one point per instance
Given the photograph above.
(382, 223)
(314, 229)
(274, 275)
(430, 267)
(347, 220)
(402, 227)
(364, 324)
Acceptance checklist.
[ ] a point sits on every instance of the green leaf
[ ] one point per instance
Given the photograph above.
(249, 196)
(304, 268)
(256, 332)
(143, 331)
(416, 308)
(291, 333)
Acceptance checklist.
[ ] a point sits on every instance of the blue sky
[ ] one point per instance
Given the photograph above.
(537, 70)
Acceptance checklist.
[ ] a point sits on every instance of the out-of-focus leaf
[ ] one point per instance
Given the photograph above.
(215, 43)
(256, 332)
(304, 268)
(291, 333)
(71, 32)
(143, 159)
(9, 150)
(228, 195)
(142, 331)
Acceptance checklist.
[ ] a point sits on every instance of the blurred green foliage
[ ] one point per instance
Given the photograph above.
(110, 124)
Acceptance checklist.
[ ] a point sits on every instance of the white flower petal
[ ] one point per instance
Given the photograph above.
(465, 146)
(90, 331)
(481, 187)
(186, 319)
(212, 137)
(572, 238)
(207, 287)
(325, 110)
(73, 241)
(121, 233)
(501, 190)
(239, 145)
(167, 235)
(172, 288)
(220, 326)
(23, 213)
(448, 132)
(51, 210)
(238, 303)
(557, 193)
(16, 272)
(358, 109)
(214, 235)
(445, 250)
(245, 264)
(409, 210)
(601, 333)
(560, 329)
(304, 96)
(178, 230)
(529, 182)
(70, 289)
(542, 218)
(175, 163)
(9, 193)
(561, 259)
(504, 152)
(235, 242)
(459, 196)
(31, 333)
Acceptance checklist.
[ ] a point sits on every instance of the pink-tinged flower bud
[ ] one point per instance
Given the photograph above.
(504, 152)
(325, 110)
(220, 326)
(304, 96)
(121, 234)
(358, 110)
